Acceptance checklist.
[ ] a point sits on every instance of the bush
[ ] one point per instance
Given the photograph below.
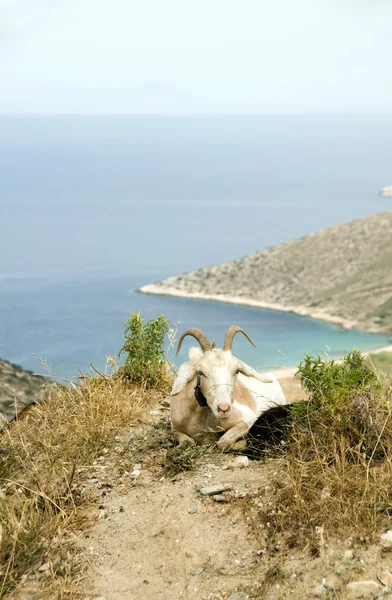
(337, 472)
(144, 350)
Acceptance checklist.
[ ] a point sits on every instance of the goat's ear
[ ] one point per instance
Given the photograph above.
(186, 372)
(249, 372)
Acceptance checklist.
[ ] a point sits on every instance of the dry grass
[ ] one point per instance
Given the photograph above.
(336, 477)
(42, 460)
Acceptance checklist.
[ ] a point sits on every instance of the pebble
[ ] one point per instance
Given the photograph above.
(119, 449)
(44, 567)
(197, 571)
(386, 539)
(239, 462)
(238, 596)
(193, 510)
(362, 589)
(349, 555)
(215, 489)
(154, 413)
(319, 591)
(386, 578)
(207, 474)
(219, 498)
(135, 474)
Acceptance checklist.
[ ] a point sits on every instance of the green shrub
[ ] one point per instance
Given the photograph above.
(144, 350)
(345, 398)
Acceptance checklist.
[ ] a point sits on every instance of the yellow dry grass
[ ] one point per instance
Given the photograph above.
(42, 458)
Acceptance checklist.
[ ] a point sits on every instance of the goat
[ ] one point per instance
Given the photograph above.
(213, 393)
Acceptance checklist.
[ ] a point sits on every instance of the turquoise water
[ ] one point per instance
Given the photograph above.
(91, 208)
(76, 322)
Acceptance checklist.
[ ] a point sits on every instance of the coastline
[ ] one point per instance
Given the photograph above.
(302, 311)
(281, 372)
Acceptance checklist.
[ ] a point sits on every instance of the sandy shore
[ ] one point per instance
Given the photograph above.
(303, 311)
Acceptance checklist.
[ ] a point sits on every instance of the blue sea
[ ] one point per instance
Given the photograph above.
(91, 208)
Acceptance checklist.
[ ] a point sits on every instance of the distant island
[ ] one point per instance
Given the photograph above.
(342, 274)
(386, 191)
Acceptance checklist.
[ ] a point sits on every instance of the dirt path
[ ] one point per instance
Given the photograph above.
(158, 538)
(163, 539)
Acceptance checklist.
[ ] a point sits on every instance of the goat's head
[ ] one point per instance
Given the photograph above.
(216, 370)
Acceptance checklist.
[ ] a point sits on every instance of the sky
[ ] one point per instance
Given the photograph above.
(195, 55)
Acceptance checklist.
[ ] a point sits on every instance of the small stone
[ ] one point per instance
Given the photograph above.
(137, 467)
(197, 571)
(117, 438)
(239, 462)
(44, 567)
(349, 555)
(386, 539)
(193, 510)
(135, 474)
(386, 578)
(219, 498)
(319, 591)
(238, 596)
(102, 514)
(207, 474)
(154, 413)
(119, 449)
(215, 489)
(28, 597)
(362, 589)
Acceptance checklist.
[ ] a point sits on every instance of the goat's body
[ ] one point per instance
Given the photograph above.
(251, 399)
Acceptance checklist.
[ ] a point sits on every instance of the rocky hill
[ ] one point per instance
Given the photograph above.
(18, 388)
(342, 274)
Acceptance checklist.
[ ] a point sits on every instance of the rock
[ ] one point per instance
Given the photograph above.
(319, 591)
(119, 449)
(197, 571)
(135, 474)
(239, 462)
(362, 589)
(386, 539)
(349, 555)
(208, 475)
(28, 597)
(238, 596)
(154, 413)
(44, 567)
(193, 510)
(219, 498)
(137, 467)
(215, 489)
(386, 578)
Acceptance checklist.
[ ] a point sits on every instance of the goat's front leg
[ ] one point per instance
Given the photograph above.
(232, 435)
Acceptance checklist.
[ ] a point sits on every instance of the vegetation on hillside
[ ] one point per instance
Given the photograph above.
(344, 272)
(338, 464)
(18, 388)
(44, 454)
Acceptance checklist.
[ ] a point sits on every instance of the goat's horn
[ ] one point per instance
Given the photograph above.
(198, 335)
(230, 336)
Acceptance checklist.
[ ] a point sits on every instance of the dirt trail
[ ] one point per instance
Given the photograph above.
(158, 538)
(152, 546)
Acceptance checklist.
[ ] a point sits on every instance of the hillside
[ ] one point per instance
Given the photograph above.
(342, 274)
(18, 388)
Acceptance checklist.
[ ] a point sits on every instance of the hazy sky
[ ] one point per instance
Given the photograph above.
(250, 54)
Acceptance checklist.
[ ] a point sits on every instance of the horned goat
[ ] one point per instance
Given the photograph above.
(215, 392)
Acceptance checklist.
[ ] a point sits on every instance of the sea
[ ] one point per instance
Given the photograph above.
(92, 208)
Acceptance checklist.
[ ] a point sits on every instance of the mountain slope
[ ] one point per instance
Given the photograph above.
(342, 274)
(18, 388)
